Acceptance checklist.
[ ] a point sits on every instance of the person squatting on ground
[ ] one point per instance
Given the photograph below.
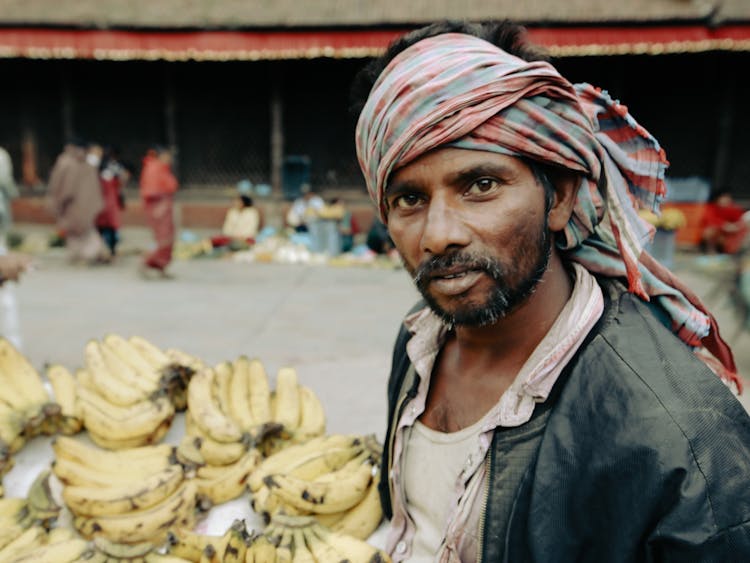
(546, 400)
(157, 188)
(76, 200)
(723, 224)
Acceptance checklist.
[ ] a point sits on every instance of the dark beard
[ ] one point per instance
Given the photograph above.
(503, 298)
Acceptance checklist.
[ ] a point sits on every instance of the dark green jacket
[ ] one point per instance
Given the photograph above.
(645, 454)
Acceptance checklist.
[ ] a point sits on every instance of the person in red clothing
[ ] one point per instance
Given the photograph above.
(724, 229)
(158, 186)
(113, 176)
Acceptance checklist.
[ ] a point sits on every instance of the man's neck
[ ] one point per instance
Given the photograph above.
(512, 339)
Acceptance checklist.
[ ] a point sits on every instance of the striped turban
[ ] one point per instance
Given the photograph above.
(457, 90)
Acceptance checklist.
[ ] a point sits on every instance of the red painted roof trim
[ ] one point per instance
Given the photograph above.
(40, 43)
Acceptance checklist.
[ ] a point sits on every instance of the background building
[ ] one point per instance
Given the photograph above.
(238, 87)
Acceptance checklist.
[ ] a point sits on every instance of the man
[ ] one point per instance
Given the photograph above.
(76, 200)
(545, 404)
(158, 186)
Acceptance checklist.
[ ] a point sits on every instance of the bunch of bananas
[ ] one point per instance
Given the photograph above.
(334, 478)
(304, 539)
(231, 408)
(128, 496)
(34, 544)
(26, 409)
(122, 394)
(231, 547)
(37, 510)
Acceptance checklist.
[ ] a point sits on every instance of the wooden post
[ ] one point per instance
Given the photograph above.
(68, 128)
(277, 129)
(724, 133)
(170, 115)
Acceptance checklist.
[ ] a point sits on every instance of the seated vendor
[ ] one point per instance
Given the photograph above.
(240, 224)
(723, 229)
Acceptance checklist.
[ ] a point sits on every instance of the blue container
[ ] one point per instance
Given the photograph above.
(295, 172)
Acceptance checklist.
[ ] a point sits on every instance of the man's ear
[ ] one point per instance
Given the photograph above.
(566, 189)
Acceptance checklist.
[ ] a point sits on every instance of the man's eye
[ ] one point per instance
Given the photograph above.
(405, 201)
(483, 186)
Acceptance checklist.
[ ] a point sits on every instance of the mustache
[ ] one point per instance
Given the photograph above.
(438, 264)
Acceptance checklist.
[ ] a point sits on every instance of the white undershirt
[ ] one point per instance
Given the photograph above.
(432, 463)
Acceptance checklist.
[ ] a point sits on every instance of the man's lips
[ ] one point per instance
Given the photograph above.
(454, 281)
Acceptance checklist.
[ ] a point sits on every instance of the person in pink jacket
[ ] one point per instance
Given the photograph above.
(157, 188)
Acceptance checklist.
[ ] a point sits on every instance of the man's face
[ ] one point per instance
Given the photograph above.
(471, 227)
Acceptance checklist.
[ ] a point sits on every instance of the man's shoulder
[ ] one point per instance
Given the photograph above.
(633, 366)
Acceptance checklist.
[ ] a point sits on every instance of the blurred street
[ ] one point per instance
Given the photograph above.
(336, 325)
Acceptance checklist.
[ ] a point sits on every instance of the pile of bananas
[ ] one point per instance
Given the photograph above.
(128, 496)
(26, 409)
(233, 414)
(333, 478)
(120, 397)
(303, 538)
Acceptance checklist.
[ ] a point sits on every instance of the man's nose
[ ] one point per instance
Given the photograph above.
(444, 228)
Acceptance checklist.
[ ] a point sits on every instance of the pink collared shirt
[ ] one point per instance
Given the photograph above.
(531, 386)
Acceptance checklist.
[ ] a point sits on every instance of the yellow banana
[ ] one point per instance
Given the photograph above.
(205, 410)
(13, 511)
(119, 422)
(297, 454)
(332, 492)
(150, 524)
(23, 543)
(221, 484)
(64, 388)
(12, 425)
(287, 399)
(239, 394)
(116, 550)
(160, 558)
(213, 452)
(42, 505)
(261, 551)
(351, 548)
(142, 460)
(184, 359)
(222, 379)
(284, 549)
(150, 352)
(300, 552)
(64, 551)
(235, 543)
(118, 499)
(260, 392)
(363, 519)
(140, 440)
(125, 372)
(61, 533)
(132, 356)
(74, 473)
(209, 555)
(325, 461)
(312, 416)
(17, 369)
(108, 385)
(323, 552)
(184, 543)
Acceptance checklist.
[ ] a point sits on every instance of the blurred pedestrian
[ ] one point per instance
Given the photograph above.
(113, 177)
(76, 200)
(158, 185)
(12, 264)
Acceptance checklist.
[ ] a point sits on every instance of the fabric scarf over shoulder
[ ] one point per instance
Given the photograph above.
(460, 91)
